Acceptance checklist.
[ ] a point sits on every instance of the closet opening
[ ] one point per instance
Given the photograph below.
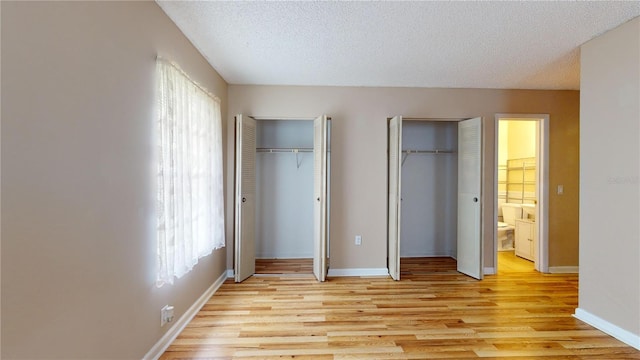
(429, 196)
(284, 194)
(434, 213)
(281, 197)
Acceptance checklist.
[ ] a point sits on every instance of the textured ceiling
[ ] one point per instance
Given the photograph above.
(508, 45)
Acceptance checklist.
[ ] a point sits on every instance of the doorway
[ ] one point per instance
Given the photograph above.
(521, 193)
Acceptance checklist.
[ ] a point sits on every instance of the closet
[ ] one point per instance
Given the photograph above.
(281, 204)
(284, 189)
(429, 189)
(434, 187)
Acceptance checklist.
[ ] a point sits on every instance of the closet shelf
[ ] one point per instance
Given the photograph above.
(295, 151)
(283, 150)
(434, 152)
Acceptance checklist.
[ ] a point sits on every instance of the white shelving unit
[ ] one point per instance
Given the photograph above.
(520, 181)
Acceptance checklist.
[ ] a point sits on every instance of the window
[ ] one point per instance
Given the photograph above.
(189, 187)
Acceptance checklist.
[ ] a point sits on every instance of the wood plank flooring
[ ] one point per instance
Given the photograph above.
(508, 262)
(284, 266)
(427, 315)
(426, 265)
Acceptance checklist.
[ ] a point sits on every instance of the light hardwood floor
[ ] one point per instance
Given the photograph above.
(284, 266)
(427, 315)
(508, 263)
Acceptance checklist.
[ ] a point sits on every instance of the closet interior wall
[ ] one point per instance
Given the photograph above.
(429, 189)
(284, 189)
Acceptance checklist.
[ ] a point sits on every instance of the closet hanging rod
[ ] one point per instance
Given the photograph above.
(284, 118)
(432, 119)
(285, 150)
(435, 151)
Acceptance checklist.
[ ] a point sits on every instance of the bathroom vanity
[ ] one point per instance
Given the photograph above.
(526, 239)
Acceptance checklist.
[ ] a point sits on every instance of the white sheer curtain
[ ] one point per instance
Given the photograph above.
(190, 204)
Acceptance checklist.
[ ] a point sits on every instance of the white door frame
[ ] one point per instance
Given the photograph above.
(542, 187)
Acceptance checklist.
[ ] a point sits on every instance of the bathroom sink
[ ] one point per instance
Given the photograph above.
(528, 211)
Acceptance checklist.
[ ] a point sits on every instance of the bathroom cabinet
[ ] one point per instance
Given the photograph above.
(526, 239)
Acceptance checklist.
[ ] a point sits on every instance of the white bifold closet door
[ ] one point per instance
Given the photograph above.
(469, 191)
(320, 209)
(245, 198)
(394, 202)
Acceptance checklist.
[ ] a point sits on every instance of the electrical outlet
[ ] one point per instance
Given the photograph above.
(358, 239)
(166, 314)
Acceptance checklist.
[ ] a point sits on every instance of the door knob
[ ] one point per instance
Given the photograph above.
(475, 199)
(244, 199)
(318, 199)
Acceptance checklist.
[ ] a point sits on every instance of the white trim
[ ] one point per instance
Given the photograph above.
(489, 271)
(172, 333)
(563, 269)
(230, 273)
(623, 335)
(496, 142)
(359, 272)
(543, 210)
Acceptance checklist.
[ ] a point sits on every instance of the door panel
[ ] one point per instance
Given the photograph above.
(245, 195)
(320, 231)
(395, 164)
(469, 195)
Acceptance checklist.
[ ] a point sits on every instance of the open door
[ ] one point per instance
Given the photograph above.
(469, 191)
(320, 213)
(245, 204)
(395, 165)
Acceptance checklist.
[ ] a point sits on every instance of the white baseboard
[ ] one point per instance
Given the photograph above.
(489, 271)
(359, 272)
(563, 269)
(159, 348)
(623, 335)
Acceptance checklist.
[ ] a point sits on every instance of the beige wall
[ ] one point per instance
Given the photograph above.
(609, 169)
(522, 139)
(359, 155)
(78, 235)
